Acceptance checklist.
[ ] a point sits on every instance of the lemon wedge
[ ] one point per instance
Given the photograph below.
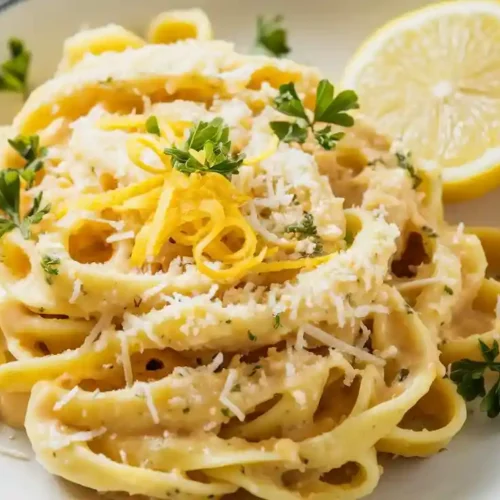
(175, 25)
(431, 78)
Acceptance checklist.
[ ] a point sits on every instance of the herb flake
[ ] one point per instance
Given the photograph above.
(50, 266)
(405, 162)
(152, 126)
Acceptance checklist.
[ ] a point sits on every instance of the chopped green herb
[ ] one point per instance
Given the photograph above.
(14, 71)
(109, 79)
(152, 125)
(225, 412)
(228, 321)
(448, 290)
(251, 336)
(29, 148)
(408, 308)
(272, 36)
(50, 267)
(405, 162)
(255, 369)
(207, 149)
(329, 109)
(403, 374)
(348, 238)
(277, 321)
(469, 377)
(307, 229)
(236, 388)
(186, 410)
(429, 232)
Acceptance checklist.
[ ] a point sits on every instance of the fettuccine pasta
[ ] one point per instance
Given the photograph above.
(190, 334)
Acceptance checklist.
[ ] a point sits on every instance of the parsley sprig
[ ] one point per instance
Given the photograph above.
(207, 149)
(307, 229)
(272, 36)
(330, 108)
(14, 71)
(10, 188)
(469, 377)
(29, 148)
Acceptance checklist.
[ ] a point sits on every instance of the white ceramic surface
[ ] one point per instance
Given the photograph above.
(323, 33)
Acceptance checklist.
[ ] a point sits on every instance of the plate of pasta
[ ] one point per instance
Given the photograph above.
(232, 270)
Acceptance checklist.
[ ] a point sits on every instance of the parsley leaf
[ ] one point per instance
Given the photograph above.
(10, 186)
(405, 162)
(307, 229)
(328, 109)
(152, 125)
(29, 148)
(50, 267)
(14, 71)
(289, 132)
(34, 216)
(272, 36)
(251, 336)
(469, 377)
(207, 149)
(288, 102)
(9, 194)
(326, 138)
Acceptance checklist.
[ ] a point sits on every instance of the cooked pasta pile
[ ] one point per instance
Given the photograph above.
(190, 334)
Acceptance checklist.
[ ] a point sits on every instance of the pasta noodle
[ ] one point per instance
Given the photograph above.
(170, 334)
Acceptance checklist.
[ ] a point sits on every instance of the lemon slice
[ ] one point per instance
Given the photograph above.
(175, 25)
(431, 78)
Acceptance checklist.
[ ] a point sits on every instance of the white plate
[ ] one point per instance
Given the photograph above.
(321, 33)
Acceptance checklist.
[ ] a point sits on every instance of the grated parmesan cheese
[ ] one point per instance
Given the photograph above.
(332, 341)
(103, 323)
(126, 363)
(459, 234)
(300, 397)
(66, 398)
(123, 456)
(151, 292)
(77, 289)
(301, 342)
(127, 235)
(224, 399)
(216, 362)
(410, 285)
(59, 441)
(146, 391)
(9, 452)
